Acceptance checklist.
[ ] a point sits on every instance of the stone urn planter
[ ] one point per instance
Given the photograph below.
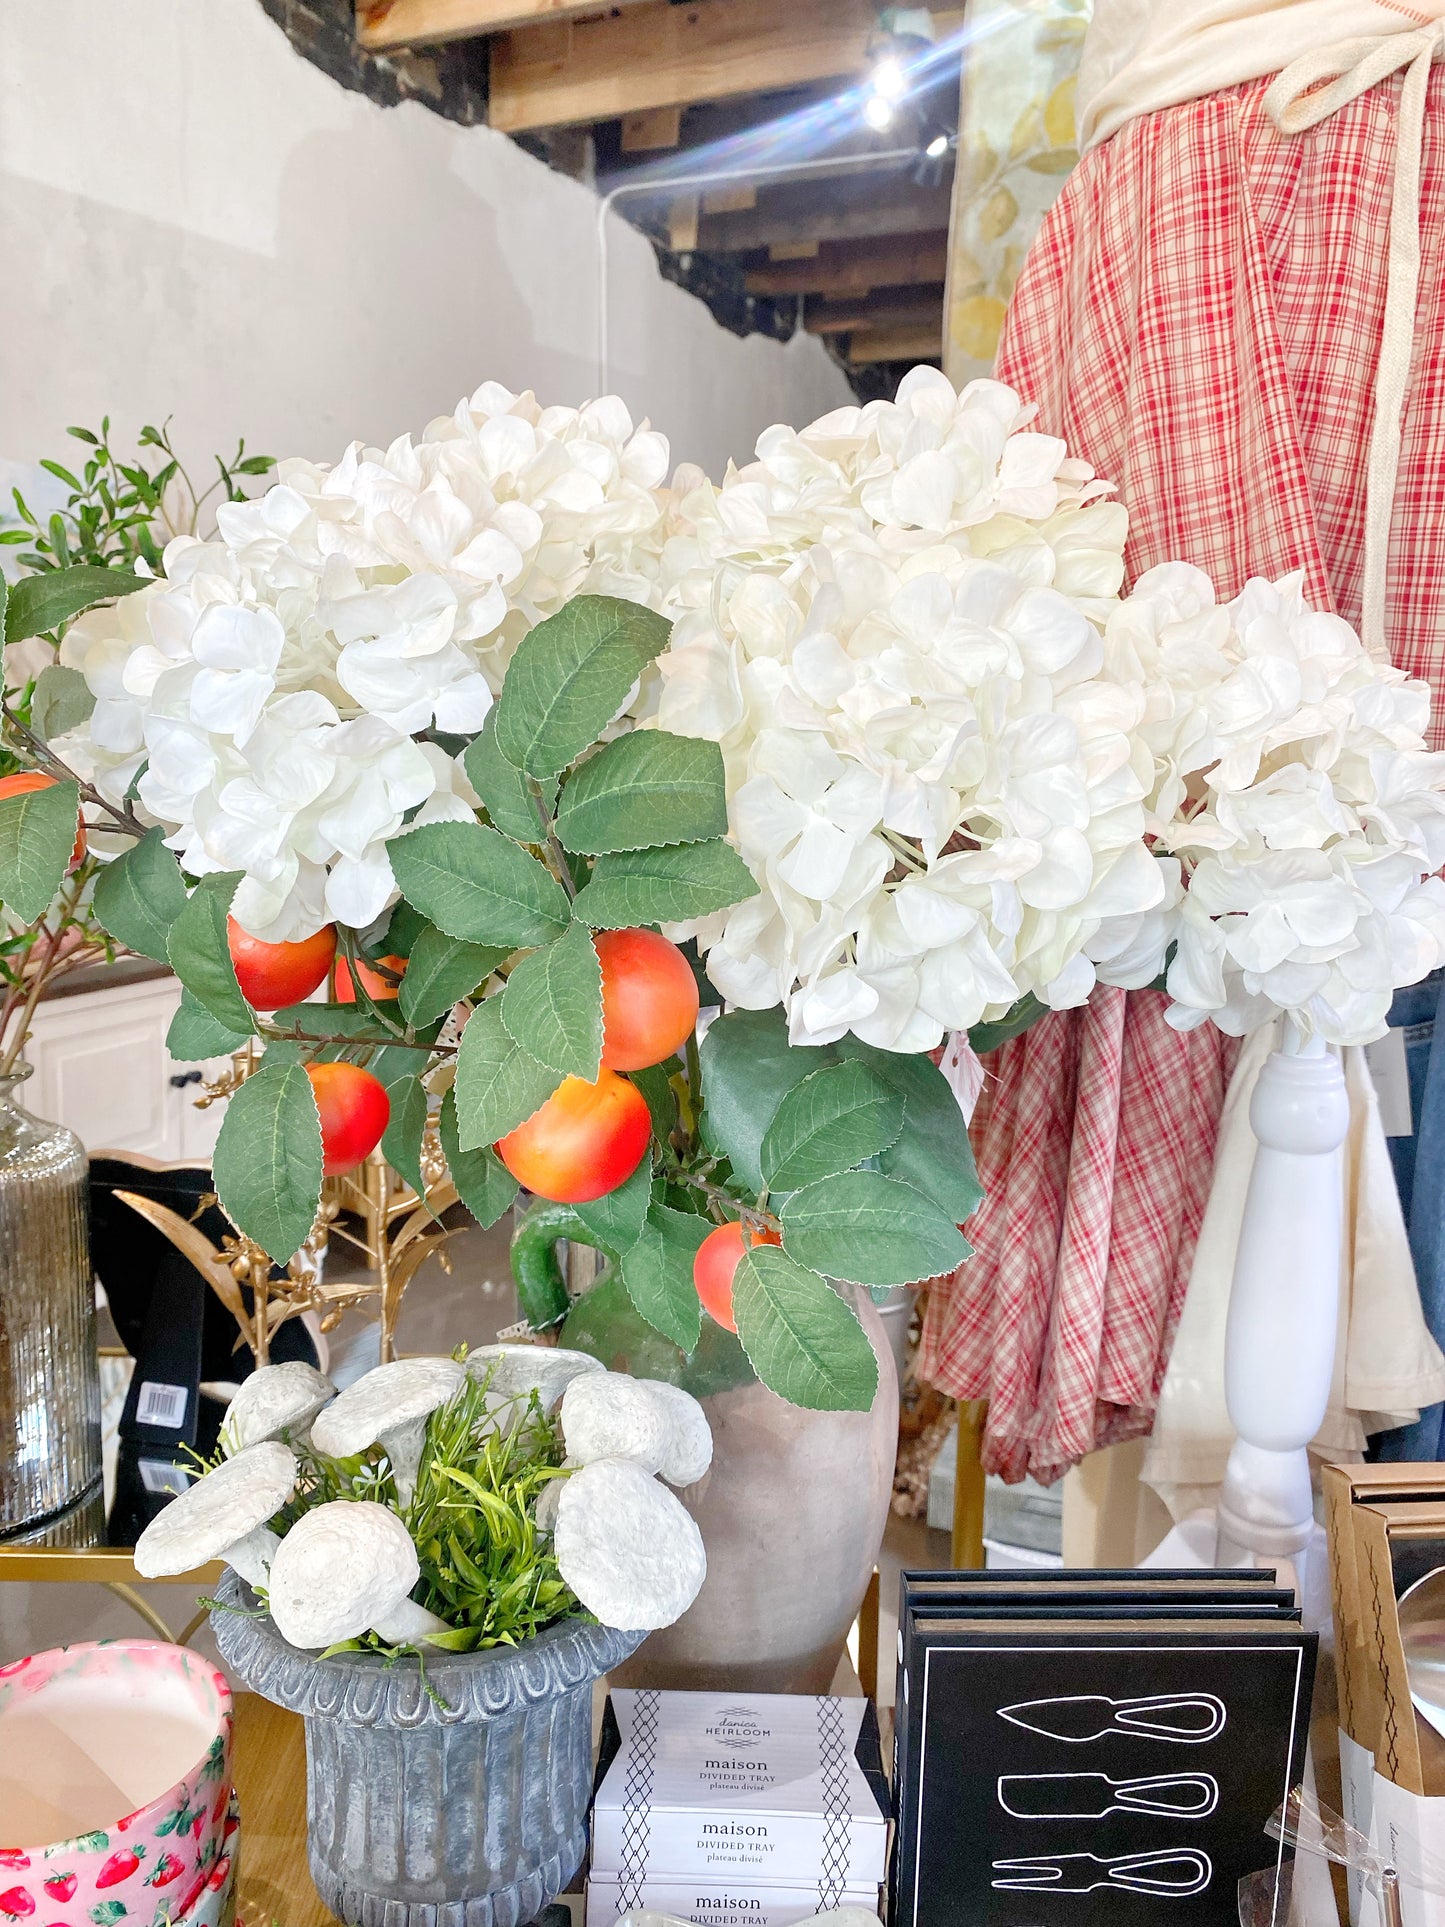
(791, 1511)
(465, 1806)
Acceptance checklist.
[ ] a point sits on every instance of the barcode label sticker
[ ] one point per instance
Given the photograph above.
(160, 1475)
(163, 1405)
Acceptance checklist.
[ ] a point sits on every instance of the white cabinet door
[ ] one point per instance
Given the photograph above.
(101, 1067)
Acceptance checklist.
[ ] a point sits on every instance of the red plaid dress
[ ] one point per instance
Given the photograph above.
(1199, 318)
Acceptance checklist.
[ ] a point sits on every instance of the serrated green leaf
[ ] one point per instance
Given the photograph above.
(804, 1342)
(139, 896)
(503, 788)
(498, 1085)
(478, 885)
(484, 1184)
(748, 1068)
(61, 700)
(644, 789)
(668, 885)
(199, 953)
(39, 603)
(441, 971)
(401, 1140)
(553, 1005)
(570, 676)
(37, 836)
(267, 1160)
(872, 1229)
(617, 1217)
(195, 1034)
(932, 1151)
(839, 1115)
(657, 1273)
(655, 1084)
(403, 928)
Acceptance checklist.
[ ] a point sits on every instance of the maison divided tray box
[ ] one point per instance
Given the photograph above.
(731, 1809)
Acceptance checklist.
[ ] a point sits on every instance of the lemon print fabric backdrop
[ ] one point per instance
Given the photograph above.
(1015, 146)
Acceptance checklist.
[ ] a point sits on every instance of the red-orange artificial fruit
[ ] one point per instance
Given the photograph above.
(355, 1111)
(717, 1260)
(649, 998)
(272, 975)
(25, 780)
(377, 987)
(584, 1141)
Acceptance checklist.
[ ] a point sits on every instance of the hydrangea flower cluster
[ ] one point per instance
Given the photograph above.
(1298, 815)
(265, 697)
(885, 622)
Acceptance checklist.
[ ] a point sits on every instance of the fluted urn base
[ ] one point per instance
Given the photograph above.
(465, 1806)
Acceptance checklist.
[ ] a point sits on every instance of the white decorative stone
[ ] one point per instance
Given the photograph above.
(628, 1549)
(222, 1516)
(275, 1399)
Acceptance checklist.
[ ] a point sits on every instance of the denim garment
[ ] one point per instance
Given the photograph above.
(1420, 1011)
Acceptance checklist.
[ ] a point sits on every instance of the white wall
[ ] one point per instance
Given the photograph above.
(194, 221)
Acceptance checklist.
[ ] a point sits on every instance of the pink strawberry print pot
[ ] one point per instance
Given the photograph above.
(115, 1783)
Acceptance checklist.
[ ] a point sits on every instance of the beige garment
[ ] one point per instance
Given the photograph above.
(1141, 55)
(1386, 1363)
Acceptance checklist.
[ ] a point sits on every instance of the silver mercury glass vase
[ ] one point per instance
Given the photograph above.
(49, 1371)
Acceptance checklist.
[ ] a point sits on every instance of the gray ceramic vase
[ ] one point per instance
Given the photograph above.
(471, 1812)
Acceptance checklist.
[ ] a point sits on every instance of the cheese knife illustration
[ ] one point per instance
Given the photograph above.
(1186, 1718)
(1090, 1796)
(1174, 1870)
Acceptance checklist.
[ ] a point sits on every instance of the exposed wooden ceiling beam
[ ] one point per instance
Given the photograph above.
(384, 24)
(897, 344)
(903, 310)
(787, 214)
(652, 54)
(892, 262)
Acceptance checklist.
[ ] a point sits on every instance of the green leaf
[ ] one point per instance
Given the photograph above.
(402, 930)
(388, 1063)
(503, 788)
(499, 1085)
(570, 676)
(986, 1037)
(839, 1115)
(476, 884)
(484, 1184)
(804, 1342)
(61, 700)
(195, 1034)
(872, 1229)
(37, 835)
(655, 1085)
(139, 896)
(267, 1161)
(657, 1274)
(401, 1140)
(552, 1006)
(644, 789)
(932, 1152)
(668, 885)
(39, 603)
(617, 1217)
(200, 955)
(748, 1068)
(441, 971)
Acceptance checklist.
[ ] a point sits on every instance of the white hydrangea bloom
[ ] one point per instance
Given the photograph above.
(885, 622)
(1303, 816)
(265, 697)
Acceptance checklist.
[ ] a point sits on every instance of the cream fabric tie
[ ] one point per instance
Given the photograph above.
(1308, 91)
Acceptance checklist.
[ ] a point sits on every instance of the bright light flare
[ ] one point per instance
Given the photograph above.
(878, 113)
(889, 79)
(937, 147)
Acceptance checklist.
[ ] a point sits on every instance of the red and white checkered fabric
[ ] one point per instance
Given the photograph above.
(1199, 318)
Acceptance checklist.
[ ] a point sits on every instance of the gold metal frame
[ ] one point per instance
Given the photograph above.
(113, 1568)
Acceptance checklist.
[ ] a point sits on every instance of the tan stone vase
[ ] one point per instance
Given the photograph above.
(791, 1512)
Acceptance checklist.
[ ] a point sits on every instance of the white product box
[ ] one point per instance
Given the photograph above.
(718, 1903)
(765, 1789)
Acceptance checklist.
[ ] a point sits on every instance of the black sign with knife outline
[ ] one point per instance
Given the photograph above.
(1088, 1771)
